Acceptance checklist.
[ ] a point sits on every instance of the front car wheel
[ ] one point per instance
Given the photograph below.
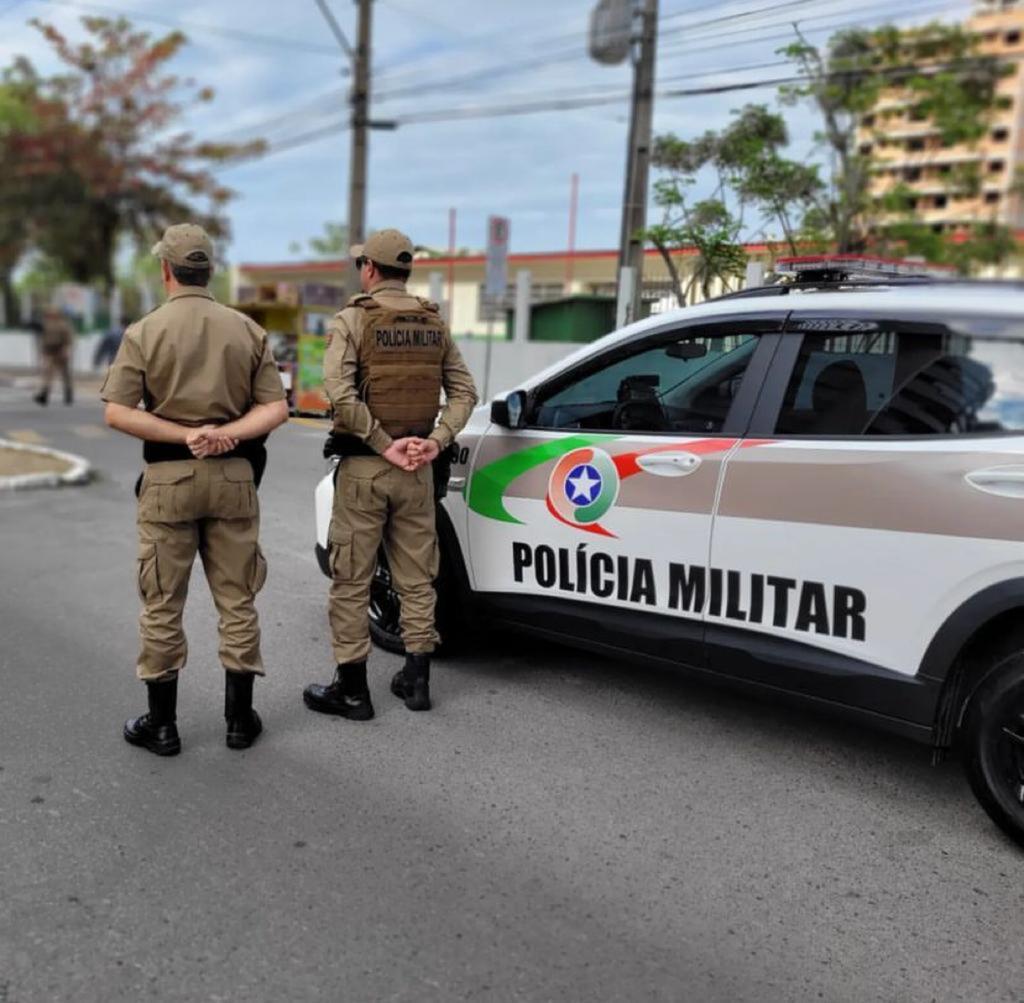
(994, 745)
(385, 608)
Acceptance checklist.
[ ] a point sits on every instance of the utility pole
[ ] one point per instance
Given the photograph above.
(360, 124)
(638, 160)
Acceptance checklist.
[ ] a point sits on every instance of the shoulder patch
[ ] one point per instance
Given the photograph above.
(428, 304)
(363, 300)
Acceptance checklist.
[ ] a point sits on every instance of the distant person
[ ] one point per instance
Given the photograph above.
(107, 348)
(56, 346)
(212, 394)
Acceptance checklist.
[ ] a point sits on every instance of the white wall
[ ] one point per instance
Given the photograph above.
(18, 350)
(511, 362)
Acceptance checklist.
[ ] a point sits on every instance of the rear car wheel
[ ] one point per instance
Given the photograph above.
(994, 745)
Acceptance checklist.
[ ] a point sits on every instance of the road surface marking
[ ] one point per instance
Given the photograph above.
(26, 435)
(91, 431)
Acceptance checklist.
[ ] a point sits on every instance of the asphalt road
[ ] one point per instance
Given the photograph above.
(561, 827)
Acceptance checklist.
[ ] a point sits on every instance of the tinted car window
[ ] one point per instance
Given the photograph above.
(888, 381)
(677, 385)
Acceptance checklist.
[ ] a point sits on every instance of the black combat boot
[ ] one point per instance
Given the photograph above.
(348, 696)
(157, 730)
(244, 724)
(412, 682)
(42, 398)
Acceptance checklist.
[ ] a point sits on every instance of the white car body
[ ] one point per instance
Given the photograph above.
(853, 570)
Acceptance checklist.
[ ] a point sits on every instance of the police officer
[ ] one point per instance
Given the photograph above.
(212, 393)
(56, 343)
(389, 357)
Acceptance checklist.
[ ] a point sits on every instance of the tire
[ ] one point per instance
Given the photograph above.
(385, 609)
(994, 744)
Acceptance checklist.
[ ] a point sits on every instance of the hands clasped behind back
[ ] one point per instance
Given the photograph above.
(411, 453)
(210, 441)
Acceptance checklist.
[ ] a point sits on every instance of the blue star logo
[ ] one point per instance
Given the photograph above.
(583, 485)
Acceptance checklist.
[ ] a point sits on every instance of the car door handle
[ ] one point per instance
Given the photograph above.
(1007, 482)
(675, 464)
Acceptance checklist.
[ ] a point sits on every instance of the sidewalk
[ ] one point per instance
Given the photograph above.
(87, 384)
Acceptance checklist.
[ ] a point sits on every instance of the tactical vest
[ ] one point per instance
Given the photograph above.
(400, 360)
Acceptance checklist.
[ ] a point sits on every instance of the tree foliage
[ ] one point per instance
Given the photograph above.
(96, 153)
(748, 169)
(332, 243)
(939, 77)
(935, 74)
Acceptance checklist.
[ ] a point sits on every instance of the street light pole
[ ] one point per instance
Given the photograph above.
(638, 160)
(360, 124)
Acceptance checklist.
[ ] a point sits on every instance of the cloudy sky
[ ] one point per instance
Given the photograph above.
(279, 74)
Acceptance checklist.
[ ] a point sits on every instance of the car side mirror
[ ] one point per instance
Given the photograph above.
(510, 412)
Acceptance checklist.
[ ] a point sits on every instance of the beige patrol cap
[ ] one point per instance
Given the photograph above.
(386, 247)
(186, 245)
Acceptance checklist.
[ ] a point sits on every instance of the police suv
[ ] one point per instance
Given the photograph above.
(813, 488)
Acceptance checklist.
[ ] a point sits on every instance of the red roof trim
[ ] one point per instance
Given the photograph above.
(339, 265)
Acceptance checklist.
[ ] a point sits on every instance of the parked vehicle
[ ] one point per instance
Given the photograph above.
(814, 490)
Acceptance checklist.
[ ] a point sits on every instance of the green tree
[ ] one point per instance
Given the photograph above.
(939, 75)
(332, 243)
(16, 120)
(748, 168)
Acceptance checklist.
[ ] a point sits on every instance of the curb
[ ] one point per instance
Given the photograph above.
(80, 472)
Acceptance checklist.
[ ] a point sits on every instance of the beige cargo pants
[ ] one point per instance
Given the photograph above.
(376, 502)
(54, 365)
(207, 507)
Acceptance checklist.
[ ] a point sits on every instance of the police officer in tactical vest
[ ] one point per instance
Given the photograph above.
(212, 393)
(390, 355)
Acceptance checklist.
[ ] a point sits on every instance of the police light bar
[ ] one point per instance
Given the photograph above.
(859, 266)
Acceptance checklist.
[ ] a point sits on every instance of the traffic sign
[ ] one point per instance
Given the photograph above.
(497, 256)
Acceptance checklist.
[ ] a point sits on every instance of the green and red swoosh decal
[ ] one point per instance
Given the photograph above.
(489, 484)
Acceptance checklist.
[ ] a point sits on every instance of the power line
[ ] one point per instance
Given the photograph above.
(211, 29)
(328, 101)
(914, 14)
(771, 8)
(332, 23)
(334, 129)
(883, 5)
(593, 97)
(578, 36)
(566, 104)
(493, 72)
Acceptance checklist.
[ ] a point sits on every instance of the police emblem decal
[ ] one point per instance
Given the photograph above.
(582, 488)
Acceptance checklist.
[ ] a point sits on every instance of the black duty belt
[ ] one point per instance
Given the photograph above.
(253, 450)
(341, 445)
(338, 444)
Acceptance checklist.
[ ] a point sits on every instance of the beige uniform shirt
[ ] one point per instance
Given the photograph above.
(194, 362)
(57, 337)
(341, 364)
